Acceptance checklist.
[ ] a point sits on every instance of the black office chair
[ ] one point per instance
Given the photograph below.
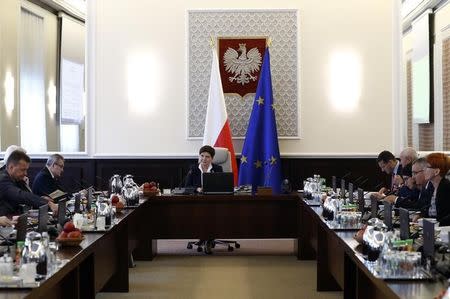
(207, 245)
(222, 158)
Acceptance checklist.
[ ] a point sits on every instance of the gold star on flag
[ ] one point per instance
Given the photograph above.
(273, 107)
(258, 164)
(243, 159)
(273, 160)
(260, 101)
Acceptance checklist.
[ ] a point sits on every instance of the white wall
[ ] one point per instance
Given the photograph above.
(118, 30)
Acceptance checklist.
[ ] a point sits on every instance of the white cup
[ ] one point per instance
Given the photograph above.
(78, 220)
(28, 272)
(167, 191)
(101, 223)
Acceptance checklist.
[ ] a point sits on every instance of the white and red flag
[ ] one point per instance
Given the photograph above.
(217, 127)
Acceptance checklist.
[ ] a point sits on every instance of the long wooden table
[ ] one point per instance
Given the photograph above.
(100, 263)
(221, 216)
(340, 268)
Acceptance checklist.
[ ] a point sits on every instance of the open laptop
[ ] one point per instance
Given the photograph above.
(218, 183)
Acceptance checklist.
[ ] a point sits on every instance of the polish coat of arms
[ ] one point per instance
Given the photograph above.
(242, 64)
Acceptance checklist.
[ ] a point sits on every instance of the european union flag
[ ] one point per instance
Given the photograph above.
(260, 161)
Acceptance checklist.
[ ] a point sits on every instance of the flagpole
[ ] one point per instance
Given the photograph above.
(268, 42)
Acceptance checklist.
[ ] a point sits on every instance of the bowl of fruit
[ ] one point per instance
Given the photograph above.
(70, 236)
(150, 189)
(117, 202)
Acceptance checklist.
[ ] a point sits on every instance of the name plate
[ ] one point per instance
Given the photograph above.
(428, 238)
(404, 224)
(373, 206)
(388, 215)
(361, 201)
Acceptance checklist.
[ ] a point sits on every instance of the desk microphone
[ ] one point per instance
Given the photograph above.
(346, 175)
(182, 189)
(378, 186)
(185, 178)
(357, 179)
(363, 182)
(78, 183)
(87, 184)
(104, 192)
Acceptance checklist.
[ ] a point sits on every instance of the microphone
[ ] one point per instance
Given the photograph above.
(346, 175)
(104, 193)
(185, 178)
(88, 184)
(182, 189)
(378, 186)
(356, 180)
(363, 182)
(102, 181)
(77, 183)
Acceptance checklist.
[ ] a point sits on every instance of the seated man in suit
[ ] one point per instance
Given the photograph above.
(194, 176)
(8, 152)
(410, 189)
(13, 193)
(391, 166)
(46, 181)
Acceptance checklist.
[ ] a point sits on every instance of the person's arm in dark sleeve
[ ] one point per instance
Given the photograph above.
(443, 213)
(16, 196)
(43, 185)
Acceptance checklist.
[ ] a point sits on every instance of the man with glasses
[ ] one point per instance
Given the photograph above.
(47, 180)
(425, 189)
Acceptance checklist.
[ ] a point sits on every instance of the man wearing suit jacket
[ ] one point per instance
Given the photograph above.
(194, 176)
(422, 201)
(13, 192)
(391, 166)
(46, 181)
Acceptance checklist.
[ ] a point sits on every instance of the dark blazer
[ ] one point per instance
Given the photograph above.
(421, 202)
(44, 183)
(13, 194)
(407, 198)
(443, 202)
(193, 177)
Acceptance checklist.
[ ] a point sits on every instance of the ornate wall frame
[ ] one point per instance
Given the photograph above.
(281, 26)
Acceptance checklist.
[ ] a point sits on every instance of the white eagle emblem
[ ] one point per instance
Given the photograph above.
(242, 66)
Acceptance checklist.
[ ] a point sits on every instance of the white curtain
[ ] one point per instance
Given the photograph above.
(32, 85)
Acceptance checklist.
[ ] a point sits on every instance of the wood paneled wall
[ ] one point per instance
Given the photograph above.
(170, 173)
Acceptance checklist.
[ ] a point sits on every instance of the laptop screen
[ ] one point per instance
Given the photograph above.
(218, 183)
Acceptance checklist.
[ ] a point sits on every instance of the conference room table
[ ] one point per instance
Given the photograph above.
(101, 261)
(340, 264)
(239, 216)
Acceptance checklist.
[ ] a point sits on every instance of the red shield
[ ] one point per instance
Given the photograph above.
(240, 61)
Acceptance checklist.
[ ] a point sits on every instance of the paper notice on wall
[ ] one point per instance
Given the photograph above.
(72, 90)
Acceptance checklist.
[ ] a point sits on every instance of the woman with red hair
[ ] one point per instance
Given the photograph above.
(435, 171)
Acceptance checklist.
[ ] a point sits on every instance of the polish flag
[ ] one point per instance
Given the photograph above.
(217, 128)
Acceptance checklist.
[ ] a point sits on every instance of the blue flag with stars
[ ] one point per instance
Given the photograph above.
(260, 161)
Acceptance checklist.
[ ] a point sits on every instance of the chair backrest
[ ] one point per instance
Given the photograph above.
(223, 158)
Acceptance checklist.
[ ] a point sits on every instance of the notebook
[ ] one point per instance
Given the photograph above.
(218, 183)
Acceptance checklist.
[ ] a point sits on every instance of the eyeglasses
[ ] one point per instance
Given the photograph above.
(417, 172)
